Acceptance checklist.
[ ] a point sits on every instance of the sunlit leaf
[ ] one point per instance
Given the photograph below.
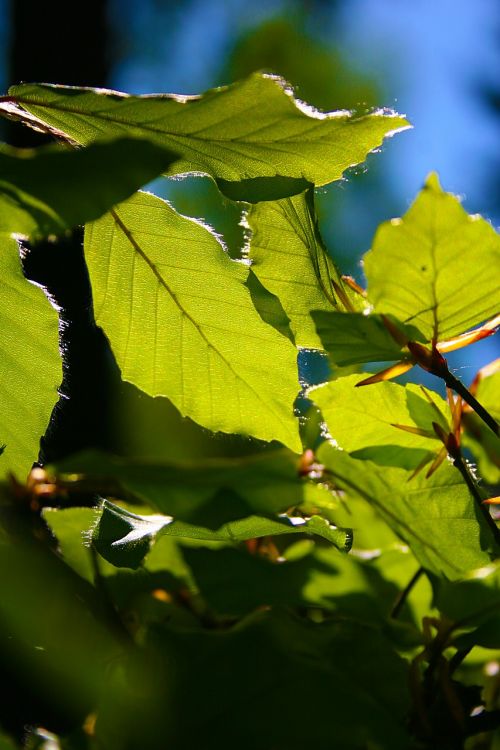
(30, 365)
(245, 135)
(182, 324)
(433, 268)
(52, 189)
(291, 261)
(364, 421)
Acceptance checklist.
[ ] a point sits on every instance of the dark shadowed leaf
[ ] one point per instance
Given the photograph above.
(124, 538)
(52, 189)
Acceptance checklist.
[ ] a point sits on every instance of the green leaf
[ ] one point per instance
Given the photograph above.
(124, 538)
(234, 582)
(288, 256)
(433, 267)
(30, 365)
(272, 681)
(362, 420)
(49, 190)
(182, 324)
(268, 306)
(267, 483)
(473, 604)
(354, 338)
(245, 135)
(436, 517)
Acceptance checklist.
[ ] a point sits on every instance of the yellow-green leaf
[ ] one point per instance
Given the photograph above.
(245, 135)
(30, 365)
(182, 324)
(291, 261)
(437, 267)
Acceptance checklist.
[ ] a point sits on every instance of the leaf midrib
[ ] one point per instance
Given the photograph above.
(297, 140)
(184, 313)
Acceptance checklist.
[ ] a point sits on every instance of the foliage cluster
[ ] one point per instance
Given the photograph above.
(266, 563)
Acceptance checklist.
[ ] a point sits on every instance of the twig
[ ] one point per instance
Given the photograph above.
(403, 595)
(456, 385)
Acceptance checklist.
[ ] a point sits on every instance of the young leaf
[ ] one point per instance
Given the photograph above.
(288, 256)
(181, 322)
(30, 365)
(245, 135)
(436, 517)
(434, 267)
(364, 421)
(124, 538)
(49, 190)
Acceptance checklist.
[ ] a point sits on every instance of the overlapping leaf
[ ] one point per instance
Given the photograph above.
(245, 135)
(266, 483)
(235, 582)
(435, 267)
(291, 261)
(436, 517)
(124, 538)
(30, 365)
(354, 338)
(182, 324)
(52, 189)
(363, 421)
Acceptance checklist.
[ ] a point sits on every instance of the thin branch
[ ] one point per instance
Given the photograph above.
(454, 383)
(403, 595)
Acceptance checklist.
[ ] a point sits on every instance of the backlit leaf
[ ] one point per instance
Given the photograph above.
(30, 365)
(354, 338)
(182, 324)
(245, 135)
(362, 420)
(291, 261)
(434, 267)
